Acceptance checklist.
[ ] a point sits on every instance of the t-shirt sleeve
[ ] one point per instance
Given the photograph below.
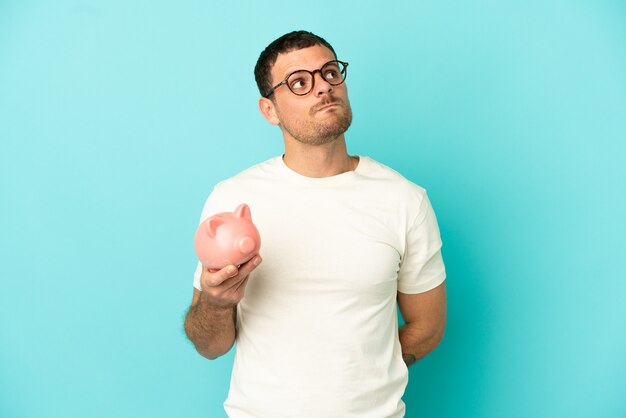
(421, 266)
(196, 276)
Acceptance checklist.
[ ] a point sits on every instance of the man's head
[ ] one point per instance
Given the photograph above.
(317, 117)
(289, 42)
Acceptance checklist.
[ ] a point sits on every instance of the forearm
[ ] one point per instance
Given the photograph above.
(417, 341)
(212, 330)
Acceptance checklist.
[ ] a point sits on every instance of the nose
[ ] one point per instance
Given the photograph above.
(246, 244)
(321, 86)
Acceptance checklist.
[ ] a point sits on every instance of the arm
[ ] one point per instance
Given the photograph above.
(425, 320)
(210, 321)
(212, 330)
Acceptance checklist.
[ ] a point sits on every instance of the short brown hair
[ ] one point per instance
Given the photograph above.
(291, 41)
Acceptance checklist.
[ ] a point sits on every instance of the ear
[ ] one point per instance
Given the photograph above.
(211, 227)
(268, 110)
(243, 211)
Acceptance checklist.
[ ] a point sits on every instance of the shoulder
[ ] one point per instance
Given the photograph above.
(249, 177)
(227, 194)
(391, 181)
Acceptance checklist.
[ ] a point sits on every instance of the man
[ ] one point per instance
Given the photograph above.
(344, 239)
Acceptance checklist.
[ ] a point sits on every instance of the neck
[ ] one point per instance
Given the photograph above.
(318, 161)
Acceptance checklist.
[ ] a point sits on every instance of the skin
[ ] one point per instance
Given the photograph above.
(315, 146)
(425, 320)
(210, 321)
(299, 117)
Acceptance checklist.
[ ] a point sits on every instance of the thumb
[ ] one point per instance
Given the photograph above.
(217, 277)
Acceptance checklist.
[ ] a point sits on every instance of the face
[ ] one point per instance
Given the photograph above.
(319, 117)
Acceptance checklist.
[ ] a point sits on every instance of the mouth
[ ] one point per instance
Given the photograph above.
(328, 106)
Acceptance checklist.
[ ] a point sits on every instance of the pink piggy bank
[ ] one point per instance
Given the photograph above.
(227, 238)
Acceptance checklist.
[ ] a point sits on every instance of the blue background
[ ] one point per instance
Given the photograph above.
(117, 117)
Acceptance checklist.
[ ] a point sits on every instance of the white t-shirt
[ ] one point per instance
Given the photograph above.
(317, 328)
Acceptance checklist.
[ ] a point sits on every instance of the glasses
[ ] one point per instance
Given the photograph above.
(301, 82)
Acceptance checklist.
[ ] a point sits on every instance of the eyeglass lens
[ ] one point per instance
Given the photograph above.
(301, 82)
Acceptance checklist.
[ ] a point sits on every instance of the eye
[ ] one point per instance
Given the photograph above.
(332, 71)
(331, 74)
(297, 83)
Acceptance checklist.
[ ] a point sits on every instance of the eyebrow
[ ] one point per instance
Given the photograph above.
(294, 69)
(291, 71)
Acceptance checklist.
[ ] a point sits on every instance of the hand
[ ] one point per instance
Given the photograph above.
(223, 289)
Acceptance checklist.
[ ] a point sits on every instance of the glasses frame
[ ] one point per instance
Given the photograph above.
(344, 72)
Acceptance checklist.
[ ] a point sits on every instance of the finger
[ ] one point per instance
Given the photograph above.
(250, 265)
(233, 283)
(242, 285)
(238, 287)
(219, 277)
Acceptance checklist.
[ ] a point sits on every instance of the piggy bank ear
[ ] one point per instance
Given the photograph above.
(243, 211)
(211, 226)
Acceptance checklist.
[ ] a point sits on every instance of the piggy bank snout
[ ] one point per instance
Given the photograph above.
(246, 244)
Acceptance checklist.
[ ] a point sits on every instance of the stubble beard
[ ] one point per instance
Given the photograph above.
(319, 132)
